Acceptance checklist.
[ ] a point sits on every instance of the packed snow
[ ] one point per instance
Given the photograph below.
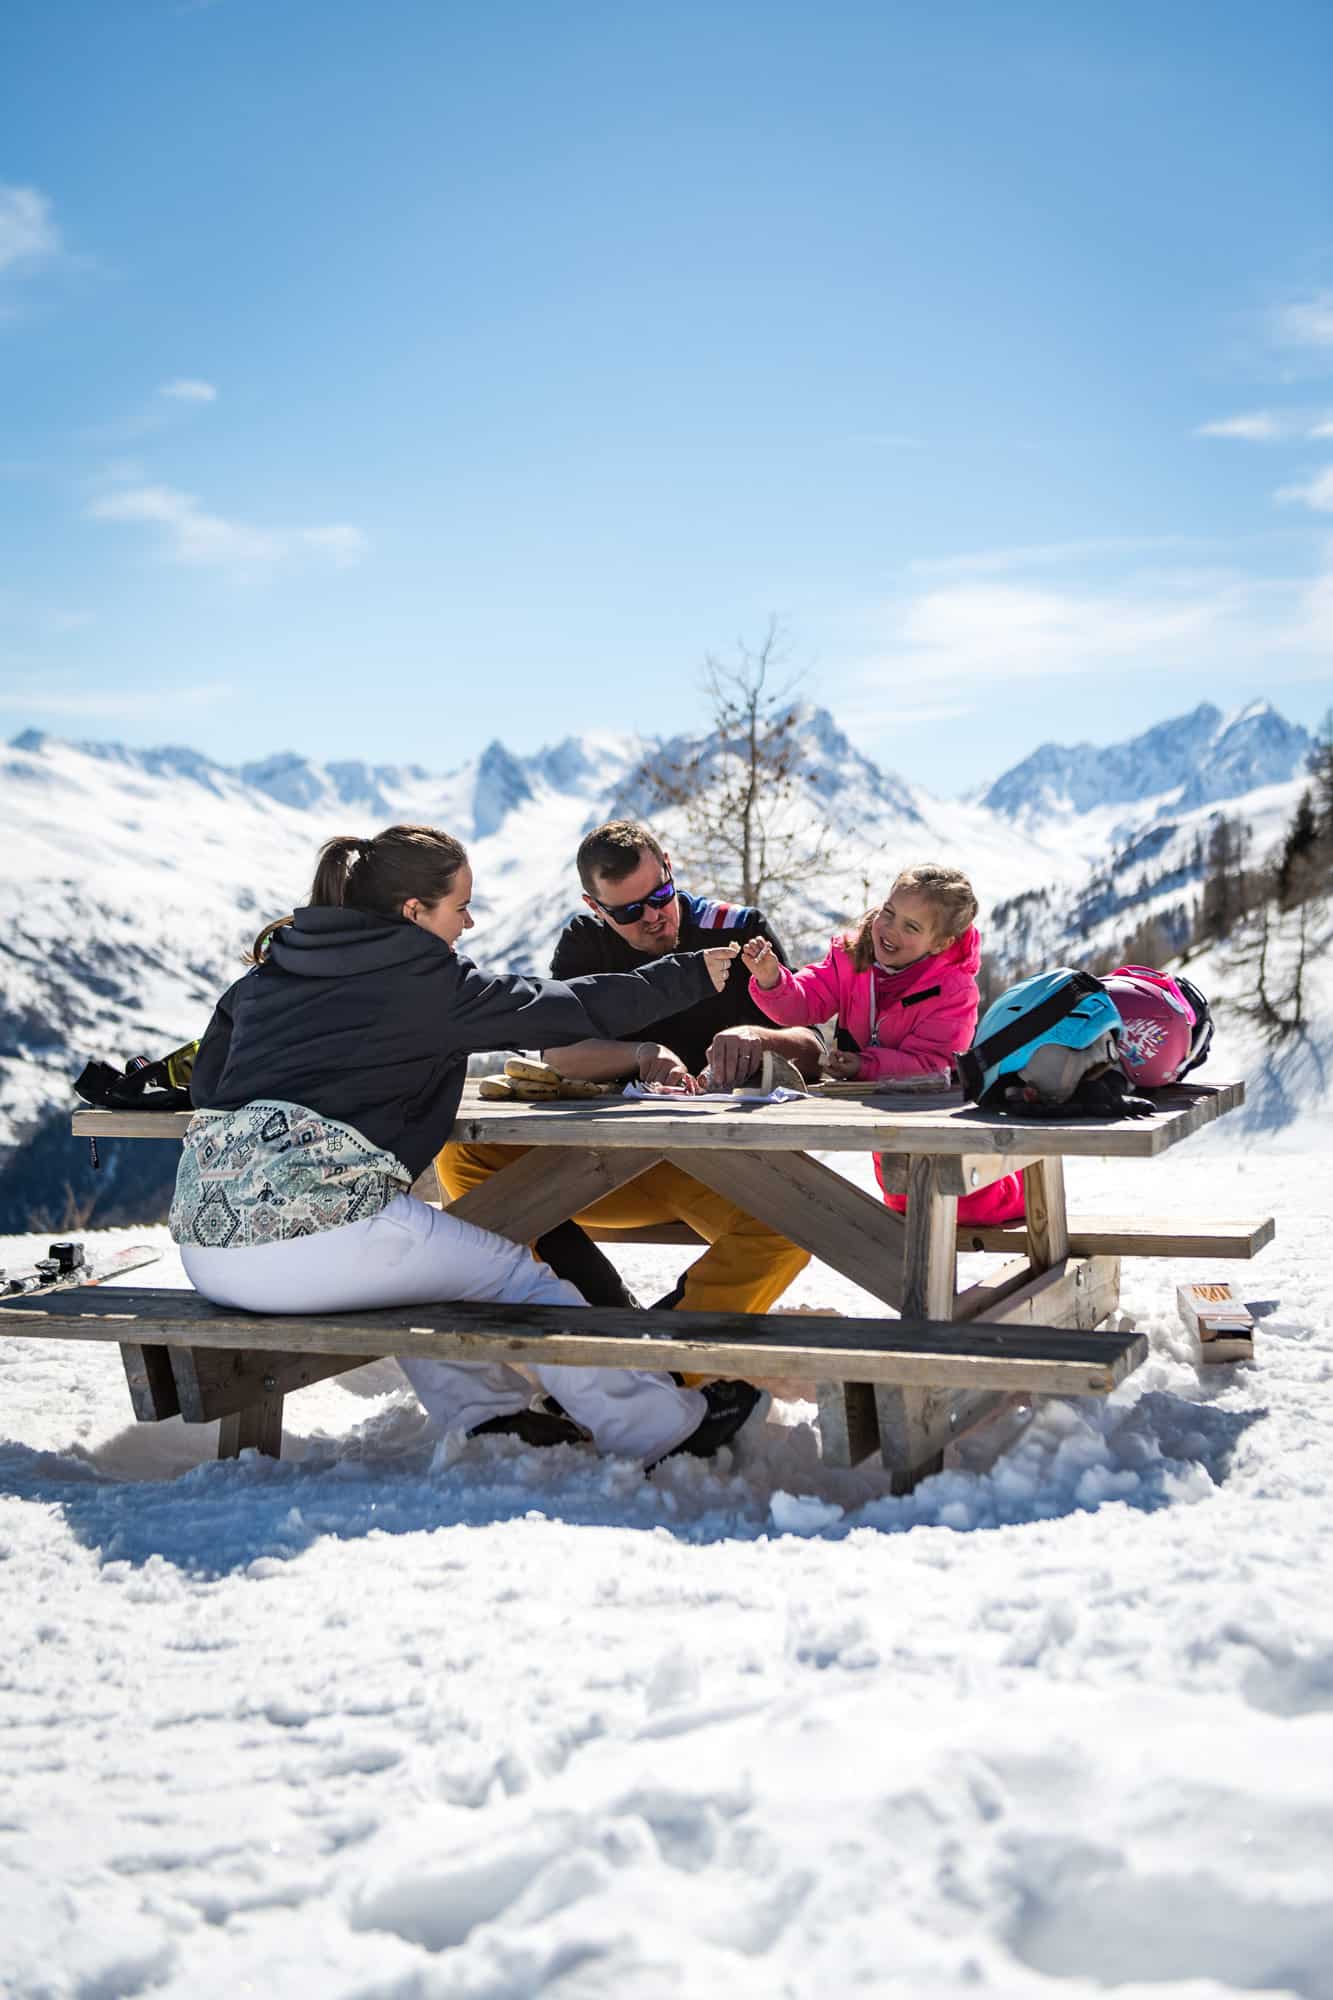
(409, 1717)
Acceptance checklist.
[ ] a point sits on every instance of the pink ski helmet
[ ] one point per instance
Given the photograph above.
(1157, 1023)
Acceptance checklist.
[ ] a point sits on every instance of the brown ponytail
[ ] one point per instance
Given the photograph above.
(378, 874)
(329, 888)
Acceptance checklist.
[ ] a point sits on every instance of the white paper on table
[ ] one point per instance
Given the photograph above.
(673, 1099)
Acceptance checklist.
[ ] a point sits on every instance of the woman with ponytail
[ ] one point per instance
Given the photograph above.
(329, 1077)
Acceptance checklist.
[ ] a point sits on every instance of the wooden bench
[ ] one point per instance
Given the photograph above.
(184, 1357)
(1089, 1236)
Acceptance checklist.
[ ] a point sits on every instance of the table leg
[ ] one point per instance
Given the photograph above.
(835, 1221)
(258, 1427)
(152, 1385)
(916, 1424)
(1047, 1221)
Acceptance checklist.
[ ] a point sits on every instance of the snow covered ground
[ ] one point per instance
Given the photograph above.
(407, 1719)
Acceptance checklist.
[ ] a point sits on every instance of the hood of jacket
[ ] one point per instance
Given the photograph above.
(328, 942)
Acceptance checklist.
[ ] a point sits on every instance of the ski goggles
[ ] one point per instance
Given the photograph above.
(629, 913)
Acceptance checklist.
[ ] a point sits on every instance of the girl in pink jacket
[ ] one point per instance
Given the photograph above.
(903, 988)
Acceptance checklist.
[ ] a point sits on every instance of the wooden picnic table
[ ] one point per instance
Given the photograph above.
(762, 1156)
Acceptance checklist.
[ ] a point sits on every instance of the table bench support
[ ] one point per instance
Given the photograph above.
(258, 1427)
(916, 1424)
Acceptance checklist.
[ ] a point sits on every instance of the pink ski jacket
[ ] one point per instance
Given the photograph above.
(906, 1023)
(922, 1017)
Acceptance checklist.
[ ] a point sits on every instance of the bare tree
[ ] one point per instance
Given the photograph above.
(746, 813)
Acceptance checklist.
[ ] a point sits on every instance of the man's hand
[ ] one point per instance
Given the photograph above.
(733, 1055)
(658, 1064)
(841, 1065)
(762, 962)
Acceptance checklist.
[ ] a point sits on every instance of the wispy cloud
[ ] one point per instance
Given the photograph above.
(1259, 427)
(1316, 492)
(343, 545)
(1007, 628)
(29, 240)
(27, 227)
(1305, 322)
(97, 703)
(1269, 427)
(192, 535)
(1051, 555)
(186, 389)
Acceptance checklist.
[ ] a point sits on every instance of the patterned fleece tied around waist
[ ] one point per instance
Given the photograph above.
(271, 1171)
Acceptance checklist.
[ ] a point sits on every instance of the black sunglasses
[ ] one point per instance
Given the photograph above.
(629, 913)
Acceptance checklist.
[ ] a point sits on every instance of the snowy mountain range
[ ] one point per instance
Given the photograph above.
(136, 878)
(1191, 760)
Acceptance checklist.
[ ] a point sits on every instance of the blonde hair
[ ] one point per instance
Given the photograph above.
(947, 890)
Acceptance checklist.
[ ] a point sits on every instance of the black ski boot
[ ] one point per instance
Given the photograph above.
(535, 1427)
(730, 1407)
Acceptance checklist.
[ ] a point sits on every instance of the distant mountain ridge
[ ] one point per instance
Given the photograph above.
(1194, 759)
(134, 878)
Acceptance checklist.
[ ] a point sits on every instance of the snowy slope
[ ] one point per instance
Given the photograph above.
(395, 1720)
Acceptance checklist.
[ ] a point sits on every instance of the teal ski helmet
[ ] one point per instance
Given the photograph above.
(1040, 1040)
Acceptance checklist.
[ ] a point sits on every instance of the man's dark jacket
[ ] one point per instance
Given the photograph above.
(370, 1020)
(586, 945)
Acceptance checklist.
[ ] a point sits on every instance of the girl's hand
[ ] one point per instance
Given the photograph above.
(841, 1065)
(718, 960)
(763, 963)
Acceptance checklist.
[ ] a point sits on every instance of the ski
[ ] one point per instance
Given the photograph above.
(65, 1265)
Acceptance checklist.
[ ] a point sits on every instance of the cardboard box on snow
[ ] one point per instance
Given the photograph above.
(1222, 1321)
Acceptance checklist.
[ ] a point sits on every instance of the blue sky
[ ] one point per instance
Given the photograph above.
(378, 379)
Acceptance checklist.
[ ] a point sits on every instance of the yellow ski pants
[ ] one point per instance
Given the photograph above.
(745, 1267)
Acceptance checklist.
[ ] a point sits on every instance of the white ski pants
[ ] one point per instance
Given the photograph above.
(411, 1254)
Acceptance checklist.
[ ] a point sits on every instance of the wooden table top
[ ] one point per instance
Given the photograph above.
(877, 1122)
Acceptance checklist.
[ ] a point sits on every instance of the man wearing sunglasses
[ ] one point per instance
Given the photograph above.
(635, 914)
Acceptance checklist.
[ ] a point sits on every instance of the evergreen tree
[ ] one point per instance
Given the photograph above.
(1319, 764)
(1300, 844)
(1224, 885)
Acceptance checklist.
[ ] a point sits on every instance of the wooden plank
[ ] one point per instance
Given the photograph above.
(1054, 1359)
(1133, 1236)
(151, 1383)
(1077, 1293)
(426, 1186)
(961, 1175)
(811, 1124)
(915, 1429)
(213, 1382)
(980, 1301)
(256, 1428)
(848, 1424)
(914, 1419)
(826, 1125)
(1047, 1222)
(815, 1207)
(530, 1195)
(930, 1255)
